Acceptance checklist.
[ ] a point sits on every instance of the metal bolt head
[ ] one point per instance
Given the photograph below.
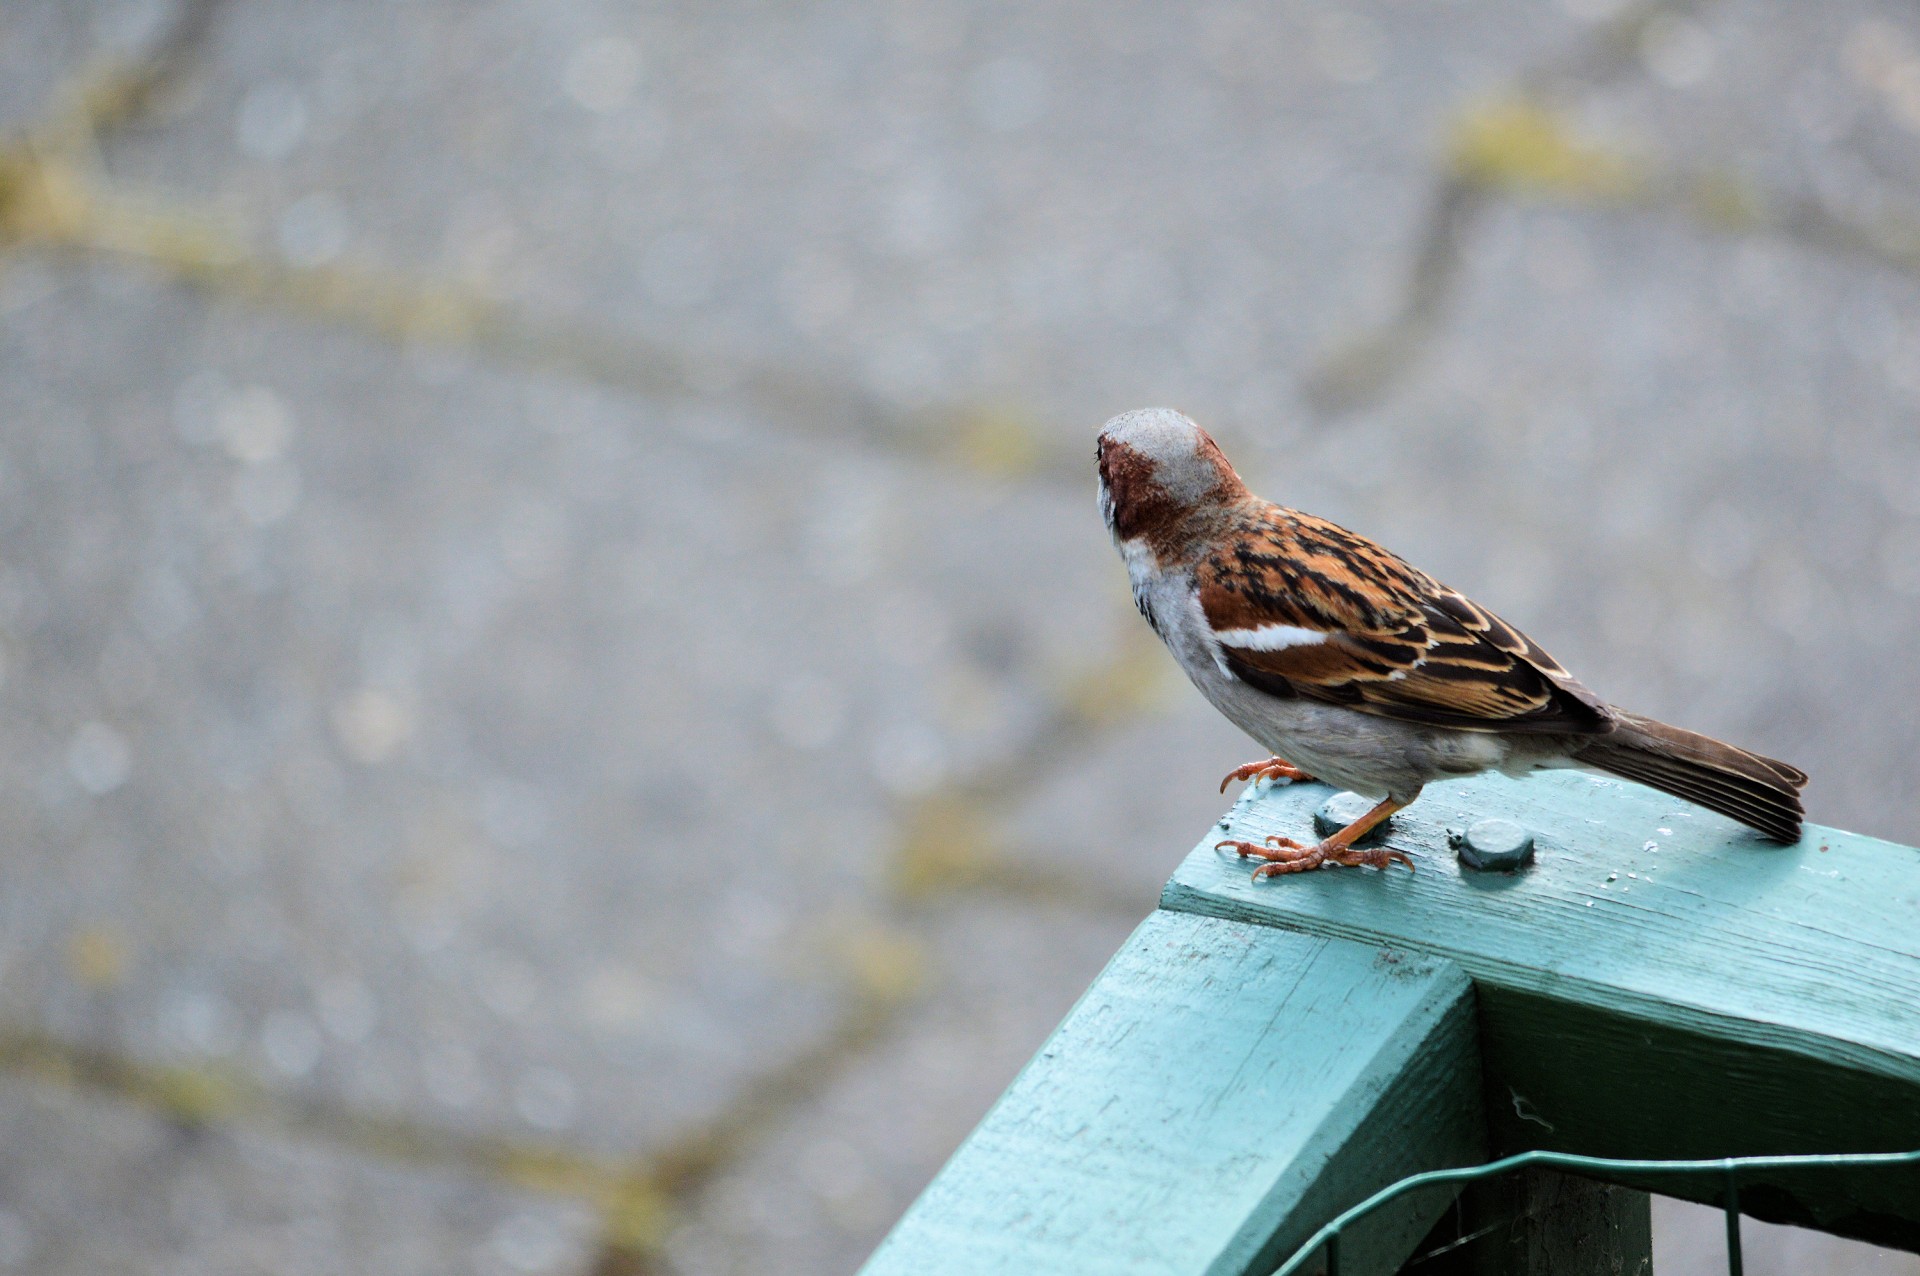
(1499, 846)
(1343, 809)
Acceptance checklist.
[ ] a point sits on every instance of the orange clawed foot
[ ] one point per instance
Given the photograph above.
(1271, 769)
(1284, 855)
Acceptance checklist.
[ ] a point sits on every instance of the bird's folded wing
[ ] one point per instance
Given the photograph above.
(1305, 608)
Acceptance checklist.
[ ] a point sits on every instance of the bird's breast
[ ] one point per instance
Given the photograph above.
(1149, 584)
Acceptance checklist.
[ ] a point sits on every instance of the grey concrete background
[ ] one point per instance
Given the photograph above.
(563, 702)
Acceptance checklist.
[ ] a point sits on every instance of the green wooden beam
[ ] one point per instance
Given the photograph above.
(1541, 1223)
(1218, 1093)
(1657, 984)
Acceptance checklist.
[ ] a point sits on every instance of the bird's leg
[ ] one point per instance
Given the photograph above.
(1284, 855)
(1271, 769)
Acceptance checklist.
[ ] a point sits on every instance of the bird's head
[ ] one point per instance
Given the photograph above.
(1162, 478)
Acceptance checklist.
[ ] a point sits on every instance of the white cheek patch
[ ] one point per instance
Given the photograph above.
(1270, 637)
(1142, 563)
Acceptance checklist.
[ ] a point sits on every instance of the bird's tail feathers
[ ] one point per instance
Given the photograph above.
(1761, 793)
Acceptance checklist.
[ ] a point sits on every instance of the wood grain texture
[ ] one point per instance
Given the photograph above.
(1218, 1093)
(1542, 1223)
(1715, 996)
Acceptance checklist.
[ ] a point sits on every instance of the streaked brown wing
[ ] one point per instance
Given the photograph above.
(1303, 607)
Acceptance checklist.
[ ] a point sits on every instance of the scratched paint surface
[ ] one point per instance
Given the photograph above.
(1218, 1084)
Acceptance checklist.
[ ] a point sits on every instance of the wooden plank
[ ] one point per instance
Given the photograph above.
(1218, 1093)
(1541, 1223)
(1658, 984)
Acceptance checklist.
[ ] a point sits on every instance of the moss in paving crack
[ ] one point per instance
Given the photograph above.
(948, 844)
(1001, 442)
(1518, 148)
(49, 201)
(1522, 148)
(951, 842)
(187, 1095)
(53, 196)
(636, 1200)
(888, 968)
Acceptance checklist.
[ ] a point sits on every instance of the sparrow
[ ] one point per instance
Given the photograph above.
(1351, 666)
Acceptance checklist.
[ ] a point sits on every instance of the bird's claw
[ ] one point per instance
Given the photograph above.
(1377, 857)
(1273, 847)
(1271, 769)
(1284, 855)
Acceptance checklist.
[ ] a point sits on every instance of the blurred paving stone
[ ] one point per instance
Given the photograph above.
(1690, 1240)
(92, 1187)
(1122, 815)
(43, 41)
(1068, 207)
(480, 747)
(821, 1193)
(1822, 100)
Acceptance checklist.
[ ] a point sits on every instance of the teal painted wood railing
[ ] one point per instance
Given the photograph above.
(1261, 1057)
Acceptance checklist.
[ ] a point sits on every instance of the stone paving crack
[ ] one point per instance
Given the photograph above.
(637, 1200)
(952, 846)
(119, 91)
(1509, 146)
(54, 195)
(947, 850)
(1520, 147)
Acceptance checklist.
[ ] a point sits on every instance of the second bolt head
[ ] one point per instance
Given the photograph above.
(1494, 846)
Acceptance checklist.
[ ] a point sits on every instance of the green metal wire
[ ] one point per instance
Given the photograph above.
(1328, 1237)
